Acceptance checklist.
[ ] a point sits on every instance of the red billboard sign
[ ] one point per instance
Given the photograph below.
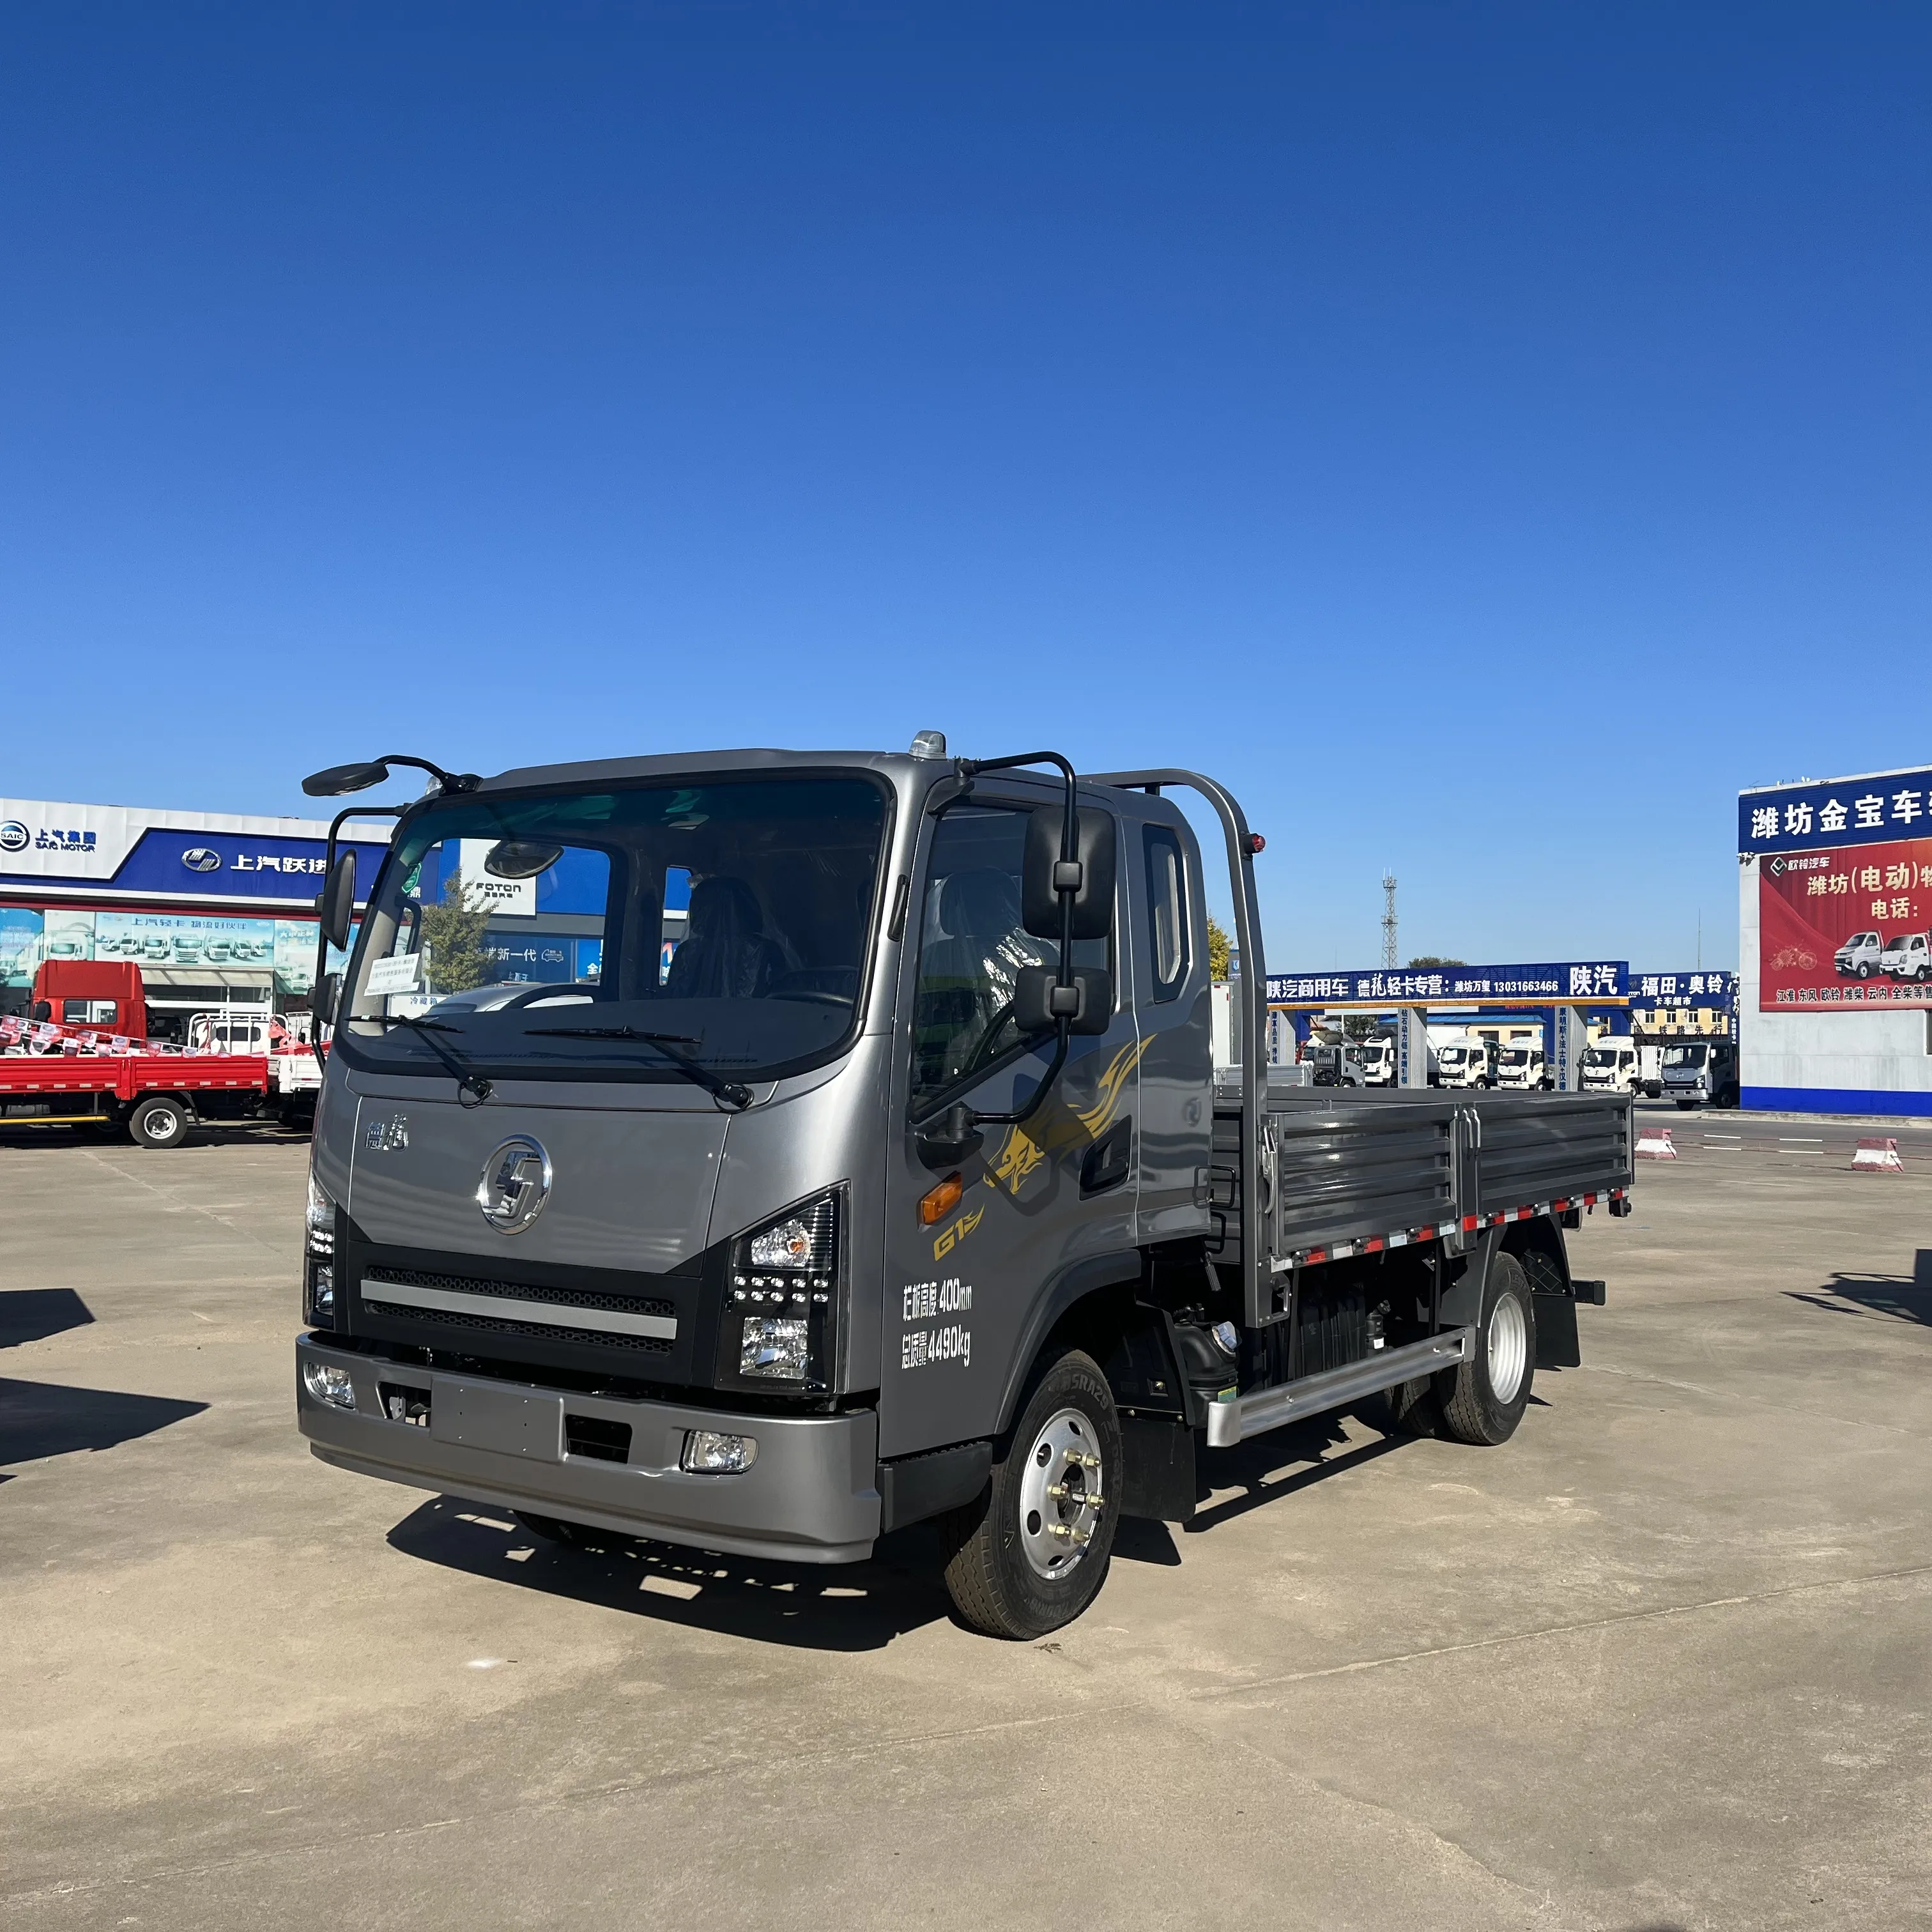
(1848, 927)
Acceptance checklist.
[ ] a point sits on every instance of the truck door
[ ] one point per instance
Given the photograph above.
(972, 1243)
(1173, 998)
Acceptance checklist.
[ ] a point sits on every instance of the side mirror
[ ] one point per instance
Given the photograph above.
(1037, 995)
(1094, 898)
(323, 998)
(340, 778)
(948, 1138)
(520, 858)
(41, 1010)
(335, 904)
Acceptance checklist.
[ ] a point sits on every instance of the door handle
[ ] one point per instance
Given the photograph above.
(1109, 1160)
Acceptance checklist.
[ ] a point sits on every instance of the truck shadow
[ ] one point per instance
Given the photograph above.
(1876, 1297)
(853, 1606)
(1279, 1463)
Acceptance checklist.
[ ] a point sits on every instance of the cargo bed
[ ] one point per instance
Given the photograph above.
(1347, 1171)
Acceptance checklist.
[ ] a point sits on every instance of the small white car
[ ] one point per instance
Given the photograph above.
(1860, 955)
(1907, 957)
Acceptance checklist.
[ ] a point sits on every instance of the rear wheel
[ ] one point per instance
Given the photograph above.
(161, 1122)
(1031, 1552)
(1482, 1400)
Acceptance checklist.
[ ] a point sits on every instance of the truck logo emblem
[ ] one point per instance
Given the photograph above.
(13, 836)
(515, 1185)
(200, 859)
(387, 1136)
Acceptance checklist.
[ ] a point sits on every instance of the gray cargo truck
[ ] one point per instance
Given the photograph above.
(864, 1161)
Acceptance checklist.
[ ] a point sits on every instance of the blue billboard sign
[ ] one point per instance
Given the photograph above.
(1866, 811)
(1702, 986)
(1605, 979)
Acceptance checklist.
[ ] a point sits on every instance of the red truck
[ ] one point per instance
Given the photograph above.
(80, 1057)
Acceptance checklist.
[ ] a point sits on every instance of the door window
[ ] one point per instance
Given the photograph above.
(1167, 911)
(972, 947)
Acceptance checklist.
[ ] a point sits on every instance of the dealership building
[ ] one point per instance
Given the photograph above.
(1834, 919)
(216, 910)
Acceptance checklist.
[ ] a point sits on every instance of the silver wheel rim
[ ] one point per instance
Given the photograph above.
(1509, 1347)
(1061, 1494)
(163, 1124)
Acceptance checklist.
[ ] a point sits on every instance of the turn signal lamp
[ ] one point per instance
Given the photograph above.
(940, 1201)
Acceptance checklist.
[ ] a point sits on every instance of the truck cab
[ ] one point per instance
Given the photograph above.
(1859, 956)
(1612, 1064)
(1907, 957)
(1377, 1059)
(1701, 1073)
(1465, 1063)
(1521, 1067)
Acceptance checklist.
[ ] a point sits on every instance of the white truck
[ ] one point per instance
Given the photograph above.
(1521, 1067)
(1377, 1057)
(1616, 1065)
(1466, 1063)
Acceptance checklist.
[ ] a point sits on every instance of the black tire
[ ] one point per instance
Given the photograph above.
(1407, 1409)
(571, 1535)
(1473, 1408)
(1018, 1568)
(1684, 1106)
(161, 1122)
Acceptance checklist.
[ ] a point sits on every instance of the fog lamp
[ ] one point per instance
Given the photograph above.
(774, 1346)
(327, 1383)
(709, 1452)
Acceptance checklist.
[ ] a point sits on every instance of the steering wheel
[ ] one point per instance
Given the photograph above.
(565, 995)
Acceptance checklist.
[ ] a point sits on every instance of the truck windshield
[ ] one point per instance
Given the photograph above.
(1516, 1056)
(723, 923)
(1684, 1056)
(1451, 1056)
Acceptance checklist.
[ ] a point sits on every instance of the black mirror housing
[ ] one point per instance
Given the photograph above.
(323, 996)
(1094, 902)
(1033, 1001)
(340, 778)
(520, 858)
(335, 904)
(41, 1010)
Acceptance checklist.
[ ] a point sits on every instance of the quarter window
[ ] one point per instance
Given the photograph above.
(1167, 911)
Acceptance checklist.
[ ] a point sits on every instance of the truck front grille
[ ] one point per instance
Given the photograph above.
(646, 1323)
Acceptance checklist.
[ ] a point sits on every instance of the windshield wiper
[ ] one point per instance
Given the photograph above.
(667, 1044)
(468, 1080)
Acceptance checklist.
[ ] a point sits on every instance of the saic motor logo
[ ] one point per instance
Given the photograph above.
(13, 836)
(200, 859)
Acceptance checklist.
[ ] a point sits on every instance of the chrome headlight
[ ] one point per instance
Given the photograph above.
(781, 1297)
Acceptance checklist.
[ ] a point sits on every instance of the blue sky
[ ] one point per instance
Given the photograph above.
(1487, 437)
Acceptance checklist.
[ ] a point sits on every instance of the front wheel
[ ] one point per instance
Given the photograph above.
(161, 1122)
(1031, 1552)
(1482, 1400)
(1865, 970)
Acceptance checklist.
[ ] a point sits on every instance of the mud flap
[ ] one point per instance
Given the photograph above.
(1557, 1345)
(1160, 1477)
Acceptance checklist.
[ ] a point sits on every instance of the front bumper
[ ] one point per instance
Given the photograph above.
(811, 1496)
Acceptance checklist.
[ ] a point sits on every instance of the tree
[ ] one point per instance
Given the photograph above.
(453, 958)
(1424, 961)
(1220, 950)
